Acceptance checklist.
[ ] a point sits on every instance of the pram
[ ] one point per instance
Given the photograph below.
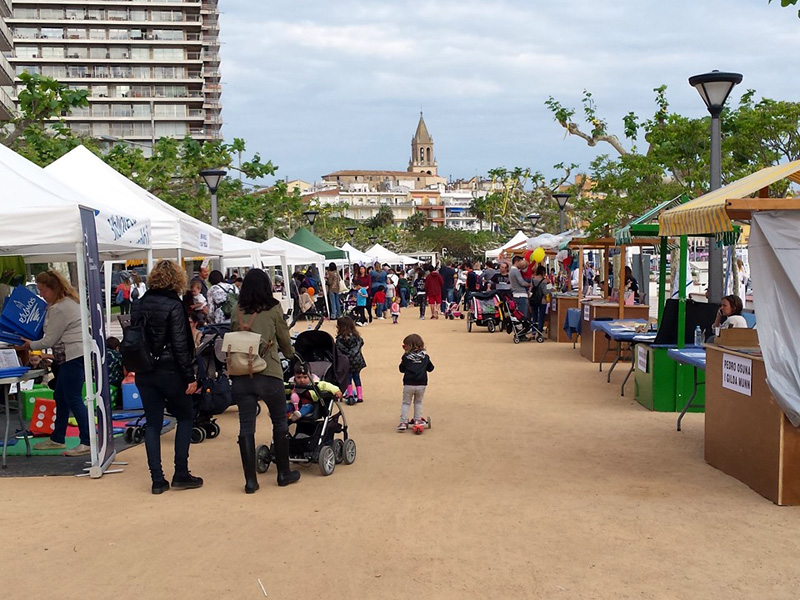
(453, 312)
(483, 311)
(322, 436)
(514, 322)
(213, 395)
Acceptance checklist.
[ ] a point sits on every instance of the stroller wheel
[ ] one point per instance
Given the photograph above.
(349, 452)
(128, 435)
(263, 458)
(212, 430)
(469, 325)
(138, 435)
(198, 435)
(327, 460)
(460, 316)
(338, 450)
(540, 338)
(509, 328)
(516, 339)
(490, 326)
(258, 408)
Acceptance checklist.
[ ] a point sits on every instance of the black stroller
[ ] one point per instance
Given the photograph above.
(322, 436)
(514, 322)
(214, 388)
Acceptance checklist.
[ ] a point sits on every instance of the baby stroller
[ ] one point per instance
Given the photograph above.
(453, 312)
(520, 325)
(213, 395)
(483, 311)
(322, 436)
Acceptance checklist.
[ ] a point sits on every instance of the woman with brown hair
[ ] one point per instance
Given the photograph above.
(62, 325)
(172, 381)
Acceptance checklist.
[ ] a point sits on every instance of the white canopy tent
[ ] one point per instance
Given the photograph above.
(39, 217)
(356, 256)
(518, 239)
(294, 256)
(174, 234)
(384, 255)
(240, 253)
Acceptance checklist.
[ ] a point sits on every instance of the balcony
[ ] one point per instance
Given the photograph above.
(6, 38)
(5, 8)
(6, 71)
(6, 105)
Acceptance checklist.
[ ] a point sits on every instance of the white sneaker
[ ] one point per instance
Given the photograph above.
(296, 415)
(78, 450)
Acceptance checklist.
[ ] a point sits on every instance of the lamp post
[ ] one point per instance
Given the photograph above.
(372, 239)
(311, 215)
(714, 88)
(351, 230)
(213, 177)
(561, 198)
(534, 219)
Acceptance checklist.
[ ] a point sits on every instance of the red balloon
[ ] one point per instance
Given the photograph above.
(528, 254)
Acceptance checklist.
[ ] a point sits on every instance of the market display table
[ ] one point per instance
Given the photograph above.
(747, 435)
(622, 332)
(695, 357)
(6, 384)
(572, 324)
(593, 343)
(559, 304)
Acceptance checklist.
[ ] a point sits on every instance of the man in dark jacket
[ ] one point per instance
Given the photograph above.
(448, 274)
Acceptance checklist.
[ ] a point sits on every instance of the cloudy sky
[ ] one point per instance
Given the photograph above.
(321, 85)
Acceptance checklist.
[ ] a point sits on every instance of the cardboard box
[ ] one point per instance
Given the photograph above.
(743, 338)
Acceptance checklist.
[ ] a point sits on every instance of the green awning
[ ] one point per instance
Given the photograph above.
(303, 237)
(645, 222)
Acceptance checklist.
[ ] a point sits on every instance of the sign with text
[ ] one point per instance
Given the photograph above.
(737, 374)
(554, 305)
(641, 357)
(585, 312)
(203, 241)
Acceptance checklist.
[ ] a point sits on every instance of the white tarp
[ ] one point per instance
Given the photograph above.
(518, 238)
(39, 216)
(238, 253)
(384, 255)
(774, 250)
(356, 256)
(293, 256)
(172, 230)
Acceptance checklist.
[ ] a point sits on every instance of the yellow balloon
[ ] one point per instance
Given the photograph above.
(538, 255)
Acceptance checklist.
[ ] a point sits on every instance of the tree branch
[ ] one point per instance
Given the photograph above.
(592, 140)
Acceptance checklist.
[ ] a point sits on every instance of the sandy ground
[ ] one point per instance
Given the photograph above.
(536, 481)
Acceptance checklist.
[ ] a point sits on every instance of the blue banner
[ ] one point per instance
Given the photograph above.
(105, 431)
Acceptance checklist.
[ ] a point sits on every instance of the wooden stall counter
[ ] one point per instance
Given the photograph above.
(747, 436)
(559, 304)
(594, 343)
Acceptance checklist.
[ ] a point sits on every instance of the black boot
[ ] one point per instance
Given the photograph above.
(285, 475)
(247, 448)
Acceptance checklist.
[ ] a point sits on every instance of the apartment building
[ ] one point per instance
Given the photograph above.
(6, 70)
(361, 202)
(151, 67)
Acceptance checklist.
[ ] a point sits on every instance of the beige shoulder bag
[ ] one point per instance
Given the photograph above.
(242, 350)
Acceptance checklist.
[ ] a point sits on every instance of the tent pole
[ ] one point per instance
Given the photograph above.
(662, 278)
(107, 284)
(682, 292)
(622, 262)
(89, 399)
(580, 274)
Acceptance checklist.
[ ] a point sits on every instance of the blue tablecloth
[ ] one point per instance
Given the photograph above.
(690, 355)
(572, 322)
(616, 331)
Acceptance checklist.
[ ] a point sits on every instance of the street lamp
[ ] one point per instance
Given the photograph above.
(351, 230)
(534, 219)
(561, 198)
(311, 215)
(372, 239)
(213, 177)
(714, 88)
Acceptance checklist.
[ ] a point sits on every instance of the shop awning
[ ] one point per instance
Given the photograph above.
(303, 237)
(706, 215)
(626, 234)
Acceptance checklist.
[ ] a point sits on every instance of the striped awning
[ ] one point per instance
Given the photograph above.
(706, 215)
(624, 236)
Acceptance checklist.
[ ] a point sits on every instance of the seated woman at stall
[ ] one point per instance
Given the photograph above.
(729, 315)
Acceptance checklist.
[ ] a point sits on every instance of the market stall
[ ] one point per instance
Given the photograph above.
(384, 255)
(356, 256)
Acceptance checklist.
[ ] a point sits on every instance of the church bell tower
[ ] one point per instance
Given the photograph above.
(422, 157)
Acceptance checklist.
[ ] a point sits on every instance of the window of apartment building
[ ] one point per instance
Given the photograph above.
(76, 72)
(98, 52)
(52, 33)
(139, 91)
(24, 13)
(169, 73)
(26, 51)
(25, 33)
(170, 16)
(81, 128)
(138, 15)
(117, 15)
(102, 71)
(99, 129)
(101, 110)
(120, 72)
(168, 53)
(32, 69)
(73, 14)
(141, 111)
(51, 14)
(170, 129)
(137, 34)
(101, 91)
(121, 110)
(53, 52)
(79, 111)
(121, 91)
(97, 34)
(118, 52)
(140, 72)
(170, 91)
(95, 14)
(118, 34)
(167, 34)
(170, 110)
(56, 72)
(77, 52)
(140, 53)
(76, 33)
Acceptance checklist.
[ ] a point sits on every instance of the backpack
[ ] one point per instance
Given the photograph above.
(537, 294)
(241, 349)
(215, 393)
(135, 293)
(135, 347)
(231, 299)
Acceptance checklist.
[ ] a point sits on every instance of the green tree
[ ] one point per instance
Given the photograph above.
(416, 221)
(38, 132)
(785, 3)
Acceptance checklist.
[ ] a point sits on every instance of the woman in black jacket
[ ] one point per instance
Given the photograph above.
(172, 383)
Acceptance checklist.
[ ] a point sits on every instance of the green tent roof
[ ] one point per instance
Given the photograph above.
(303, 237)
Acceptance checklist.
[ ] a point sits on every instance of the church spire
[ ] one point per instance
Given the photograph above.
(422, 157)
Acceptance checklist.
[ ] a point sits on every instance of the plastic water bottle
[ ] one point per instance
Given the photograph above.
(698, 336)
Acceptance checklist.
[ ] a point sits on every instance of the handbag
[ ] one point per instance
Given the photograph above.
(135, 348)
(241, 348)
(120, 296)
(343, 289)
